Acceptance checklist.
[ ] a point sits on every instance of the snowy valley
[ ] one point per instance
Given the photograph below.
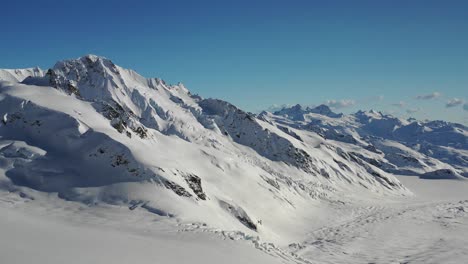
(122, 168)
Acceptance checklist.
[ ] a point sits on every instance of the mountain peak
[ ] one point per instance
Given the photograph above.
(297, 107)
(322, 107)
(294, 112)
(93, 57)
(297, 112)
(323, 110)
(86, 61)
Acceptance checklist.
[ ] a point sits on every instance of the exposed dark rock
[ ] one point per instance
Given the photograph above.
(244, 129)
(119, 126)
(440, 174)
(155, 210)
(119, 160)
(179, 190)
(342, 165)
(270, 181)
(373, 149)
(194, 183)
(290, 132)
(324, 173)
(240, 214)
(367, 159)
(141, 132)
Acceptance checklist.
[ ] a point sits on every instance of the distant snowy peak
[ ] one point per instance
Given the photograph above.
(324, 110)
(409, 146)
(298, 112)
(412, 131)
(371, 115)
(295, 112)
(18, 75)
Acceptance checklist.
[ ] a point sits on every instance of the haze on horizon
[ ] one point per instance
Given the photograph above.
(400, 57)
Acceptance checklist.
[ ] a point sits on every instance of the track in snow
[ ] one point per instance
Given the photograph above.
(421, 230)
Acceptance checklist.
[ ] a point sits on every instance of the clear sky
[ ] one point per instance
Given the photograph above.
(406, 57)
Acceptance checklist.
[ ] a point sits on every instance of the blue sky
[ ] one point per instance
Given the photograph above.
(350, 54)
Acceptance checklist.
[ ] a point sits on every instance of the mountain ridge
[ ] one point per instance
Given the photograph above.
(94, 133)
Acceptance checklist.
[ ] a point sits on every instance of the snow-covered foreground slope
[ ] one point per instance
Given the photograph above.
(100, 145)
(58, 235)
(430, 227)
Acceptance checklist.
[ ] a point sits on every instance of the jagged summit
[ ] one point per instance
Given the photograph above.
(93, 77)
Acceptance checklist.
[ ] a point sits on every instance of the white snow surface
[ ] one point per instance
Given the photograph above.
(119, 168)
(18, 75)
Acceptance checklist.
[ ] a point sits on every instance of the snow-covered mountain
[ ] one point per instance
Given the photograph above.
(429, 149)
(95, 133)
